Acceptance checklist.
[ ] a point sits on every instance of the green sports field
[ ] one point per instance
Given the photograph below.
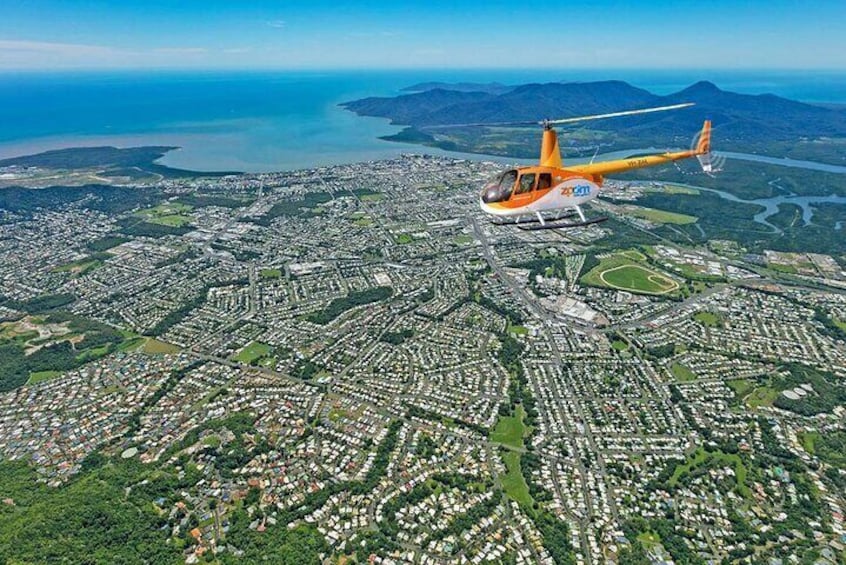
(253, 352)
(661, 216)
(637, 278)
(682, 373)
(271, 273)
(628, 270)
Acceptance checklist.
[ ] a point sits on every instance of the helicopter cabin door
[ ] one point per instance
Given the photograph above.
(524, 189)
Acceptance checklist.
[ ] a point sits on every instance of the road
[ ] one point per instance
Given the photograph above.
(533, 306)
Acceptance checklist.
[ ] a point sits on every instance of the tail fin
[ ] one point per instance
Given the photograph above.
(703, 147)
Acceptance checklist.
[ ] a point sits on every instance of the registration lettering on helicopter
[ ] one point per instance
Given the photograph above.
(642, 162)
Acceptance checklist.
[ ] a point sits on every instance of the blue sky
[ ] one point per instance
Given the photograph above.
(780, 34)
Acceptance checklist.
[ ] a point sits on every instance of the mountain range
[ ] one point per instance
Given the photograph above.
(739, 117)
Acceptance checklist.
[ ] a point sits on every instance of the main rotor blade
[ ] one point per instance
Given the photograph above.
(562, 120)
(618, 114)
(483, 124)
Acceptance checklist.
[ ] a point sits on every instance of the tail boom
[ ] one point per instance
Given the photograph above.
(702, 152)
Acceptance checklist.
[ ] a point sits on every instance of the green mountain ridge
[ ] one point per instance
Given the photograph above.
(739, 117)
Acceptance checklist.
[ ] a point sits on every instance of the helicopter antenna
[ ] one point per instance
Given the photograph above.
(595, 153)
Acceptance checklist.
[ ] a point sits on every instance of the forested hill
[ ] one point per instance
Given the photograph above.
(131, 162)
(740, 117)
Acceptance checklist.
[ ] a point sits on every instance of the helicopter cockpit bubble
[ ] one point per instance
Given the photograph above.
(499, 189)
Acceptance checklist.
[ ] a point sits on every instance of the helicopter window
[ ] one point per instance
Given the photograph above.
(527, 182)
(500, 188)
(544, 181)
(506, 184)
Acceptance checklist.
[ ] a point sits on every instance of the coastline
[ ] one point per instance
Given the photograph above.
(285, 120)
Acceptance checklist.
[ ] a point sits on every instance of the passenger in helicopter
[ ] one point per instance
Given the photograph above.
(526, 183)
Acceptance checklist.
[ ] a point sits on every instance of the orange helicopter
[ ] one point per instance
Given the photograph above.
(521, 196)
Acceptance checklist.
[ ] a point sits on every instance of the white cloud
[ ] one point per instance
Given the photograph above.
(277, 24)
(22, 54)
(181, 50)
(70, 49)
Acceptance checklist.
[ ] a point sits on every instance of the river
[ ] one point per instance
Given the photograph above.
(771, 204)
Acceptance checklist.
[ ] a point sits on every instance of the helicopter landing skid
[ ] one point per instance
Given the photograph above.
(531, 220)
(560, 225)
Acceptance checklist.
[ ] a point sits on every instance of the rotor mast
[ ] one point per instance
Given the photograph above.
(550, 152)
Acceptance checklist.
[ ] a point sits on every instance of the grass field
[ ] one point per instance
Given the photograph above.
(363, 222)
(708, 319)
(173, 220)
(619, 345)
(131, 343)
(79, 267)
(464, 239)
(513, 482)
(660, 216)
(700, 456)
(649, 539)
(268, 362)
(167, 214)
(623, 271)
(741, 387)
(778, 267)
(372, 197)
(165, 209)
(254, 351)
(154, 346)
(93, 353)
(271, 273)
(637, 278)
(517, 330)
(634, 254)
(675, 189)
(682, 373)
(510, 430)
(42, 376)
(694, 272)
(404, 238)
(762, 396)
(809, 441)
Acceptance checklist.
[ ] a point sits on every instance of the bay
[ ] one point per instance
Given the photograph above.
(281, 120)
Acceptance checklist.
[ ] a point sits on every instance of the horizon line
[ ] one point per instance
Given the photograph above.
(86, 69)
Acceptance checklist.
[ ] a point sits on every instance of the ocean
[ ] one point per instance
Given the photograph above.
(280, 120)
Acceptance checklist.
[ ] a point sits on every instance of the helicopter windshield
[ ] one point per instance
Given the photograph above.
(500, 188)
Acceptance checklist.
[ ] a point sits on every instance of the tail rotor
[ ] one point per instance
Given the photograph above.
(701, 146)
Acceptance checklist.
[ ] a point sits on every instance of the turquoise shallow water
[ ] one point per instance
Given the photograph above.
(263, 121)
